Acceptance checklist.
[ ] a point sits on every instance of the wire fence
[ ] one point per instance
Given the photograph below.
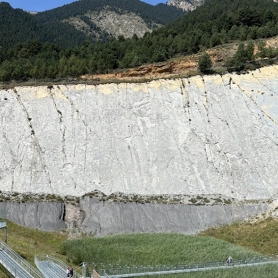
(52, 262)
(131, 271)
(18, 261)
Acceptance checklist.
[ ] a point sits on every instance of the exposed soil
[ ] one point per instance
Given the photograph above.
(185, 66)
(179, 67)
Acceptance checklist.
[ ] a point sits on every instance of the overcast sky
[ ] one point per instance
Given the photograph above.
(42, 5)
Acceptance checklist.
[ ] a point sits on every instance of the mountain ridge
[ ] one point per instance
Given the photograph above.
(58, 26)
(186, 5)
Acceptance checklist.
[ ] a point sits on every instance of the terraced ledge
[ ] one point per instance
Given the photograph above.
(120, 197)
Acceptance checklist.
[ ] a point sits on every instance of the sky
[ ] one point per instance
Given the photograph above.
(42, 5)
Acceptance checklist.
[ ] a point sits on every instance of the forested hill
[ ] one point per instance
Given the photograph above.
(17, 26)
(161, 13)
(104, 19)
(215, 23)
(71, 24)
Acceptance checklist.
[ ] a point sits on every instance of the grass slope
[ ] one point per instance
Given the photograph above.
(266, 271)
(260, 236)
(155, 249)
(29, 242)
(152, 249)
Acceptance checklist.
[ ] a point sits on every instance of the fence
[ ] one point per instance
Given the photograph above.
(18, 261)
(133, 271)
(57, 266)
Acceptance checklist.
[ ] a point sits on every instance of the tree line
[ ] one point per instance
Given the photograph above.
(161, 14)
(216, 22)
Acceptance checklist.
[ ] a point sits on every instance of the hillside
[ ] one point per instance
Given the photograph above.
(110, 18)
(216, 23)
(151, 249)
(186, 5)
(159, 14)
(17, 26)
(71, 24)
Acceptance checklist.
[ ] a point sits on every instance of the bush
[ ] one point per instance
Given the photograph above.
(205, 63)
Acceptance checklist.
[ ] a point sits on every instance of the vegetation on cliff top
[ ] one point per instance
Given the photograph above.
(216, 22)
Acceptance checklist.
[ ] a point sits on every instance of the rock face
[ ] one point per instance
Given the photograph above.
(93, 216)
(186, 5)
(113, 218)
(201, 135)
(46, 216)
(121, 23)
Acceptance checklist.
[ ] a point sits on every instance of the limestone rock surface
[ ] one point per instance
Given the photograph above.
(107, 218)
(200, 135)
(186, 5)
(99, 218)
(45, 216)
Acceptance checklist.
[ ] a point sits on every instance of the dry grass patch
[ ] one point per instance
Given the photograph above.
(260, 236)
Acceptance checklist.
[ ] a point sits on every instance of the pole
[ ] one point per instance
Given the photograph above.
(83, 270)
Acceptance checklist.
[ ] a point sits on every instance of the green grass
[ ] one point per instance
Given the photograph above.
(152, 249)
(266, 271)
(30, 242)
(239, 240)
(260, 236)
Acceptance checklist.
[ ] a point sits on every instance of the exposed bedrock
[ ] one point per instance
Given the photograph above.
(45, 216)
(200, 135)
(105, 218)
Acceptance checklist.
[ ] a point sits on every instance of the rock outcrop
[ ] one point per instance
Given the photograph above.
(186, 5)
(199, 135)
(106, 218)
(45, 216)
(101, 218)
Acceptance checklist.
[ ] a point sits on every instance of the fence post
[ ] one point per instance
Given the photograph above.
(83, 270)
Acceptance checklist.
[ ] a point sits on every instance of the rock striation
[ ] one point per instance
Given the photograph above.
(102, 218)
(107, 218)
(45, 216)
(200, 135)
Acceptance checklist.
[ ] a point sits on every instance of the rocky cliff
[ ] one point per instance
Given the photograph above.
(186, 5)
(101, 218)
(106, 218)
(46, 216)
(200, 135)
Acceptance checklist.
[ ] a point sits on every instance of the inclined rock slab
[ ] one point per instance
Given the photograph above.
(107, 218)
(45, 216)
(199, 135)
(100, 218)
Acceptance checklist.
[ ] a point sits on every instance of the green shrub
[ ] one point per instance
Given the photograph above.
(204, 63)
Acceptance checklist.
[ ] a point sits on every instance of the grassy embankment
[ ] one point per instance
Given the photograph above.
(156, 249)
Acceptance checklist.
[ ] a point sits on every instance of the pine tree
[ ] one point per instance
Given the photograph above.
(205, 63)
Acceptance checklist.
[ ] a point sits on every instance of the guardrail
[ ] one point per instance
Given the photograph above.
(19, 261)
(114, 271)
(52, 264)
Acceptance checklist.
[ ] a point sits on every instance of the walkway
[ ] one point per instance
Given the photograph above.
(15, 264)
(124, 272)
(52, 267)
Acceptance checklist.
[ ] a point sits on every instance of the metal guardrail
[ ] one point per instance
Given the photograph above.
(113, 271)
(16, 265)
(48, 264)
